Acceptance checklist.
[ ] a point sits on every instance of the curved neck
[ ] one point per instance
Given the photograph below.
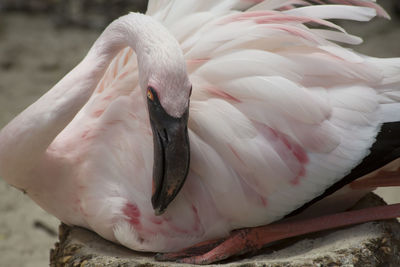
(24, 141)
(147, 37)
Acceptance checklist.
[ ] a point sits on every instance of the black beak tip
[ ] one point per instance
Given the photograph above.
(157, 206)
(160, 202)
(159, 211)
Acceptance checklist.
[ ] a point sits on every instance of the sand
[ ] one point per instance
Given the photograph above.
(34, 56)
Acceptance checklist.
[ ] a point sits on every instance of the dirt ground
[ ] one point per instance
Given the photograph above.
(34, 56)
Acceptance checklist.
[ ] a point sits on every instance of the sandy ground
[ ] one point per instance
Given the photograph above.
(34, 56)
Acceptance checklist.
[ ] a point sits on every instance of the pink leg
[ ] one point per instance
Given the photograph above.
(382, 179)
(251, 239)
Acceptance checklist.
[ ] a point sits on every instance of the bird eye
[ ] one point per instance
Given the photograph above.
(150, 94)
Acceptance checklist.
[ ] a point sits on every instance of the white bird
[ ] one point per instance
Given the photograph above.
(279, 114)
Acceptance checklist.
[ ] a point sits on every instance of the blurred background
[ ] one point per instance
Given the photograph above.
(40, 41)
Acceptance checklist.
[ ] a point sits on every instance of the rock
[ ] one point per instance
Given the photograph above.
(368, 244)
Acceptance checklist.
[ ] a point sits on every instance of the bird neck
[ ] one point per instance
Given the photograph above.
(156, 49)
(25, 140)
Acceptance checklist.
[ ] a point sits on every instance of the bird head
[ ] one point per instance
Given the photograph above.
(167, 91)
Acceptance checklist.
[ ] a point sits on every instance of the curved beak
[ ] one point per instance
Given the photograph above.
(171, 155)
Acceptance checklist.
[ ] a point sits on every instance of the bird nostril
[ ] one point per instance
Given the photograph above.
(165, 135)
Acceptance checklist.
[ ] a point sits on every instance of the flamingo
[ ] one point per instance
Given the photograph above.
(202, 117)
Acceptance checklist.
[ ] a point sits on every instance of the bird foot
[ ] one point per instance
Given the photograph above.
(252, 239)
(238, 243)
(200, 253)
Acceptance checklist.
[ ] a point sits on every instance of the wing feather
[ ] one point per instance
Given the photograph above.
(334, 12)
(287, 88)
(278, 112)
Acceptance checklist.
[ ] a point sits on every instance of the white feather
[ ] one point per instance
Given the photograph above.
(334, 12)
